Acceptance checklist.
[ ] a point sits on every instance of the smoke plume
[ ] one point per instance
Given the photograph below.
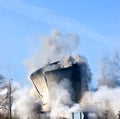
(60, 47)
(106, 98)
(110, 71)
(27, 106)
(52, 48)
(61, 102)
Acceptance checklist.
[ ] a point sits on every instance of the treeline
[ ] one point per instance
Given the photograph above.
(6, 98)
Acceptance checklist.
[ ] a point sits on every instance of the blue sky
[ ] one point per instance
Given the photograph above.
(97, 22)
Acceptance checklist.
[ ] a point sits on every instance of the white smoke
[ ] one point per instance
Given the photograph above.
(92, 116)
(69, 60)
(104, 99)
(52, 48)
(27, 106)
(60, 47)
(60, 100)
(110, 71)
(107, 96)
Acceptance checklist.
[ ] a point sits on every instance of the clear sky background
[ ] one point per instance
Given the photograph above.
(97, 22)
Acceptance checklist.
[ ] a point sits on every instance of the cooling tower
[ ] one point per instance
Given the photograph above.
(44, 78)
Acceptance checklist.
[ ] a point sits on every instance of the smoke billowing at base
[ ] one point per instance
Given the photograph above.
(63, 77)
(60, 81)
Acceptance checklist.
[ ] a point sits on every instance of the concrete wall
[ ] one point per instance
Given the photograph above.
(43, 81)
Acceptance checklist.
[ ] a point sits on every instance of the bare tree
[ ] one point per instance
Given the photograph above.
(6, 96)
(3, 87)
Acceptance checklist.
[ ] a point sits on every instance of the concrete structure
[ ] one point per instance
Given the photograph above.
(44, 78)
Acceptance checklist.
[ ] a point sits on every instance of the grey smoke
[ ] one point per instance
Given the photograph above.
(60, 47)
(61, 102)
(57, 46)
(104, 99)
(26, 105)
(110, 71)
(53, 48)
(107, 96)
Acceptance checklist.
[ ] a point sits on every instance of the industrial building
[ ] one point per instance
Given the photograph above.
(46, 77)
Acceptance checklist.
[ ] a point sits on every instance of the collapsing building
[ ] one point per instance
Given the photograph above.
(78, 73)
(56, 46)
(46, 77)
